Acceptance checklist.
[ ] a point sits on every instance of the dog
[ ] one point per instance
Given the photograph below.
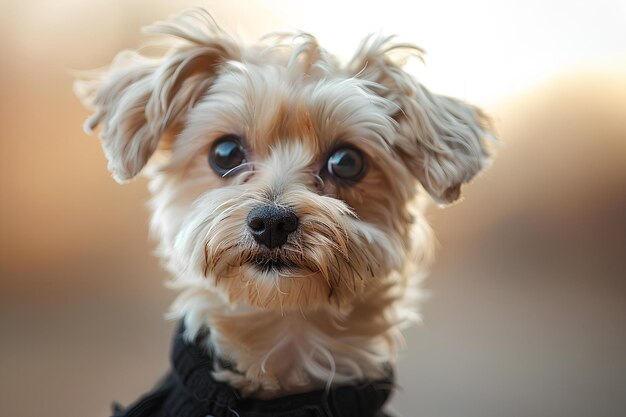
(288, 191)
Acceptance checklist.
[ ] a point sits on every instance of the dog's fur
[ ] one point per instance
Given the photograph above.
(359, 248)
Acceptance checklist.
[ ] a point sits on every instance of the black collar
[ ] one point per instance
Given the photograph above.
(189, 390)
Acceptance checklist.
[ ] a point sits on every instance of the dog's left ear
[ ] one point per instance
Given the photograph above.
(440, 139)
(139, 99)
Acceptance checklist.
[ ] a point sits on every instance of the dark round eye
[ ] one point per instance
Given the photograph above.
(226, 154)
(347, 164)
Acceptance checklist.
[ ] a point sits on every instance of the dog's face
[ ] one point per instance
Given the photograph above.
(283, 179)
(290, 192)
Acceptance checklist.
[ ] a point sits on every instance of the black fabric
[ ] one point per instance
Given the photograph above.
(189, 390)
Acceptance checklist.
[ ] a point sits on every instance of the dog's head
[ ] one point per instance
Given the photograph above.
(281, 178)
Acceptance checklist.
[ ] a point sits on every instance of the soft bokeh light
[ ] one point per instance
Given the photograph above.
(528, 313)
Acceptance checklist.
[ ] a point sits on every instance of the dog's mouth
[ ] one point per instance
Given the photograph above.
(265, 264)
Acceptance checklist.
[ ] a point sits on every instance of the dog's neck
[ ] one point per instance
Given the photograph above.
(266, 353)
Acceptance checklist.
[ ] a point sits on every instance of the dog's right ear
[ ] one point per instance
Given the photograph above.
(138, 98)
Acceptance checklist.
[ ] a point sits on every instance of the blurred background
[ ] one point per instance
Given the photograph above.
(528, 309)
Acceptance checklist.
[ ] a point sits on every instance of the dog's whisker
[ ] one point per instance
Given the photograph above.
(237, 168)
(206, 258)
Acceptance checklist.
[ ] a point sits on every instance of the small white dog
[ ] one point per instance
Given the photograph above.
(284, 202)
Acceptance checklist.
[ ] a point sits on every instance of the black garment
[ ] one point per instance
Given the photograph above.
(189, 390)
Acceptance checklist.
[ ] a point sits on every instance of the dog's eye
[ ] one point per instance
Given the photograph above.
(347, 164)
(226, 154)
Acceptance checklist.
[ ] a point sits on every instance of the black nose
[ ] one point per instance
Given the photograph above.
(270, 225)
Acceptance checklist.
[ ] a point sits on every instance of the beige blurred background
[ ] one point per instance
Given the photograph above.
(528, 314)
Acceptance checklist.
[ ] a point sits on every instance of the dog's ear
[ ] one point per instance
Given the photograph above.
(440, 139)
(138, 99)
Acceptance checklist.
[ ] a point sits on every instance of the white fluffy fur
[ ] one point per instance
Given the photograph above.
(360, 250)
